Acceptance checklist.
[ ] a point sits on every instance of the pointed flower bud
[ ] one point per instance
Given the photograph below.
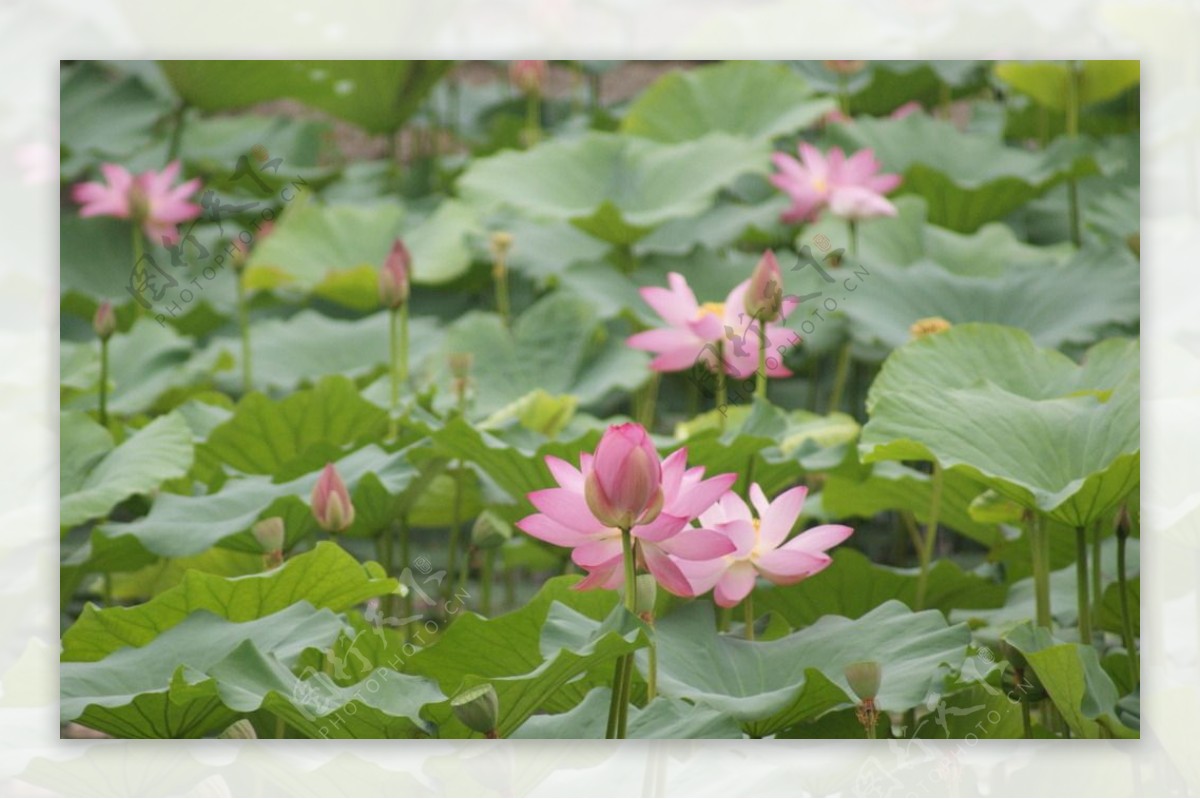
(105, 321)
(394, 276)
(269, 533)
(478, 708)
(864, 678)
(528, 76)
(500, 243)
(764, 295)
(624, 485)
(331, 505)
(928, 326)
(490, 531)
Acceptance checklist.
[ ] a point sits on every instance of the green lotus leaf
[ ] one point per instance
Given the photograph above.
(325, 577)
(96, 475)
(376, 95)
(752, 99)
(662, 718)
(617, 188)
(1050, 434)
(768, 686)
(968, 179)
(1047, 82)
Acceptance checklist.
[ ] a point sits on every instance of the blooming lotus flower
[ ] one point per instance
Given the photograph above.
(850, 187)
(528, 76)
(759, 545)
(148, 199)
(394, 276)
(565, 519)
(331, 505)
(624, 486)
(694, 330)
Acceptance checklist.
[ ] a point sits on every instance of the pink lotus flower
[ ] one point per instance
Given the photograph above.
(565, 519)
(528, 76)
(331, 505)
(850, 187)
(758, 546)
(693, 331)
(148, 199)
(394, 276)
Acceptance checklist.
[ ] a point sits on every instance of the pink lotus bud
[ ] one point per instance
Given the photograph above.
(269, 533)
(105, 321)
(764, 295)
(331, 505)
(528, 76)
(624, 486)
(394, 276)
(845, 67)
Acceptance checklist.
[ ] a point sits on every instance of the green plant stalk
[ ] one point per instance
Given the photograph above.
(244, 329)
(652, 676)
(1073, 133)
(931, 527)
(139, 252)
(843, 359)
(626, 663)
(760, 378)
(533, 118)
(453, 576)
(722, 398)
(1127, 636)
(610, 731)
(1026, 721)
(843, 94)
(405, 555)
(1097, 579)
(723, 615)
(647, 401)
(384, 543)
(394, 372)
(177, 136)
(748, 616)
(489, 571)
(500, 278)
(1081, 585)
(1040, 560)
(104, 382)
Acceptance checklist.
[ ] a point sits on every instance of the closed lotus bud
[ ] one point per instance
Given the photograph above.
(764, 295)
(105, 321)
(478, 708)
(928, 326)
(490, 531)
(864, 678)
(460, 364)
(645, 594)
(269, 533)
(500, 243)
(845, 67)
(394, 276)
(528, 76)
(241, 729)
(331, 505)
(624, 485)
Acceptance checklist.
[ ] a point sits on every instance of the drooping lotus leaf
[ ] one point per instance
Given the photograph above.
(967, 178)
(376, 95)
(96, 475)
(617, 188)
(770, 685)
(1048, 81)
(1076, 682)
(325, 577)
(1053, 435)
(852, 585)
(544, 656)
(104, 115)
(752, 99)
(662, 718)
(883, 86)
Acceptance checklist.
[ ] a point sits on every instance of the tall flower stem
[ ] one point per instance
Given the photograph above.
(177, 130)
(931, 526)
(1127, 636)
(722, 398)
(760, 379)
(1081, 585)
(488, 575)
(1040, 560)
(843, 359)
(139, 270)
(533, 118)
(244, 328)
(456, 578)
(748, 616)
(619, 713)
(500, 278)
(397, 363)
(1073, 134)
(384, 545)
(104, 382)
(1097, 581)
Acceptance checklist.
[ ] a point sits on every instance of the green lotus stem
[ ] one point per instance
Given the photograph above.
(614, 703)
(619, 710)
(500, 278)
(1081, 585)
(1097, 580)
(723, 615)
(1127, 636)
(397, 362)
(384, 546)
(722, 398)
(106, 590)
(244, 329)
(453, 576)
(931, 526)
(748, 616)
(489, 570)
(405, 555)
(104, 382)
(1040, 560)
(648, 401)
(139, 252)
(1073, 133)
(760, 379)
(843, 361)
(280, 727)
(652, 675)
(177, 133)
(533, 118)
(1026, 721)
(843, 94)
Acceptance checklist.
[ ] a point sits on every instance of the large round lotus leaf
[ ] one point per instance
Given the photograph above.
(617, 188)
(1050, 434)
(1047, 81)
(376, 95)
(745, 98)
